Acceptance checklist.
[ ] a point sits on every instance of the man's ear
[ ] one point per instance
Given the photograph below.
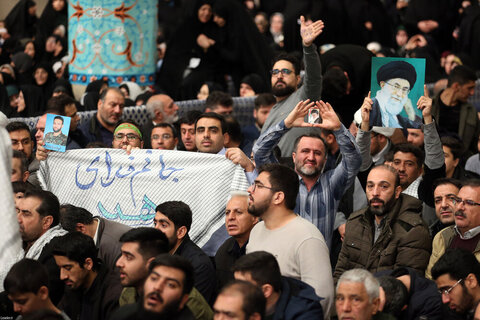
(26, 174)
(207, 109)
(47, 222)
(43, 293)
(375, 304)
(278, 197)
(147, 265)
(294, 155)
(158, 115)
(88, 264)
(382, 84)
(81, 228)
(226, 138)
(255, 316)
(398, 190)
(181, 232)
(267, 290)
(471, 281)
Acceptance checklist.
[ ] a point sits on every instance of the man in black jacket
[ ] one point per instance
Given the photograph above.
(92, 291)
(174, 218)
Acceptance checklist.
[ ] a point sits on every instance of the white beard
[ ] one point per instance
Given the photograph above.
(390, 108)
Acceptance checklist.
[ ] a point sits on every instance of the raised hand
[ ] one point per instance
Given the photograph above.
(424, 103)
(365, 111)
(42, 153)
(296, 118)
(310, 33)
(237, 156)
(330, 120)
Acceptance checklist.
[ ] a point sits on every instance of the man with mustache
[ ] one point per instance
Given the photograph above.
(444, 192)
(162, 109)
(389, 232)
(165, 292)
(465, 233)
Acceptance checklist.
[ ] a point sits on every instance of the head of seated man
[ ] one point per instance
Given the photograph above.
(19, 167)
(211, 133)
(26, 285)
(219, 102)
(444, 192)
(357, 295)
(127, 133)
(408, 161)
(21, 139)
(457, 275)
(164, 137)
(168, 285)
(187, 129)
(240, 300)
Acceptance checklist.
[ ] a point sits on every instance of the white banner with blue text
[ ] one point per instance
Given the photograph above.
(127, 188)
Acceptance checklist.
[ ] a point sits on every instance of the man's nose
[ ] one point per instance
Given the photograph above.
(17, 308)
(445, 298)
(347, 306)
(63, 275)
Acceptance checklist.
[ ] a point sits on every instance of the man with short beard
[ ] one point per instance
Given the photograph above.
(457, 275)
(286, 79)
(165, 292)
(389, 232)
(319, 192)
(465, 233)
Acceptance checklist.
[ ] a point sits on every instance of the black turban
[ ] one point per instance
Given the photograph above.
(397, 69)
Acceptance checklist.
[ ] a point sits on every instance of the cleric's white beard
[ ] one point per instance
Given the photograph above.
(388, 104)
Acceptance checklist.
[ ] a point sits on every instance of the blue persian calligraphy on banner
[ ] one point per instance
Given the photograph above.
(112, 39)
(127, 188)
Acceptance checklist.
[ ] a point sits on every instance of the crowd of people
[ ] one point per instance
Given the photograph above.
(344, 217)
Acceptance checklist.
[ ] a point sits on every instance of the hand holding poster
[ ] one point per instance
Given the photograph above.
(127, 188)
(396, 86)
(56, 132)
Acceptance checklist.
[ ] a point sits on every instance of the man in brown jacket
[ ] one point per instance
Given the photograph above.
(389, 233)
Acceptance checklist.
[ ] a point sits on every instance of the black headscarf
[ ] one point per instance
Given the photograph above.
(47, 87)
(242, 47)
(50, 19)
(34, 101)
(19, 23)
(92, 94)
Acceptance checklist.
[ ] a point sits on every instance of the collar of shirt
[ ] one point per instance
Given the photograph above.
(412, 189)
(468, 234)
(95, 238)
(381, 154)
(222, 152)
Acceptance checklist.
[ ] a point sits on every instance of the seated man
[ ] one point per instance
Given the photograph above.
(287, 298)
(457, 275)
(105, 233)
(164, 137)
(219, 102)
(264, 102)
(187, 129)
(357, 295)
(161, 109)
(19, 167)
(110, 111)
(140, 246)
(174, 218)
(444, 192)
(165, 292)
(389, 232)
(26, 285)
(239, 222)
(127, 136)
(240, 300)
(453, 149)
(465, 233)
(92, 292)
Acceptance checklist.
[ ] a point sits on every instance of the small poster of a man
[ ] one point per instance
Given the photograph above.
(396, 86)
(56, 132)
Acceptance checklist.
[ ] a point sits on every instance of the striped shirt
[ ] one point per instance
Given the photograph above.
(320, 204)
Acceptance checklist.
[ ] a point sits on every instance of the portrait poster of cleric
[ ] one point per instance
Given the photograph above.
(56, 132)
(396, 85)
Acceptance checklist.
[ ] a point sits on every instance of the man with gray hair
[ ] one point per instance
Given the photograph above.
(357, 295)
(238, 222)
(161, 109)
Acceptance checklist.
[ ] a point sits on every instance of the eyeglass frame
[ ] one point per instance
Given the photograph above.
(447, 291)
(397, 87)
(456, 201)
(256, 185)
(130, 136)
(164, 136)
(283, 71)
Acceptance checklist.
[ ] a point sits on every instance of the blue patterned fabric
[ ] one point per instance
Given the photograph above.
(111, 39)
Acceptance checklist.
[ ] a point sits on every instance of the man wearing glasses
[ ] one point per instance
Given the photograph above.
(465, 234)
(286, 79)
(127, 136)
(457, 275)
(395, 78)
(164, 137)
